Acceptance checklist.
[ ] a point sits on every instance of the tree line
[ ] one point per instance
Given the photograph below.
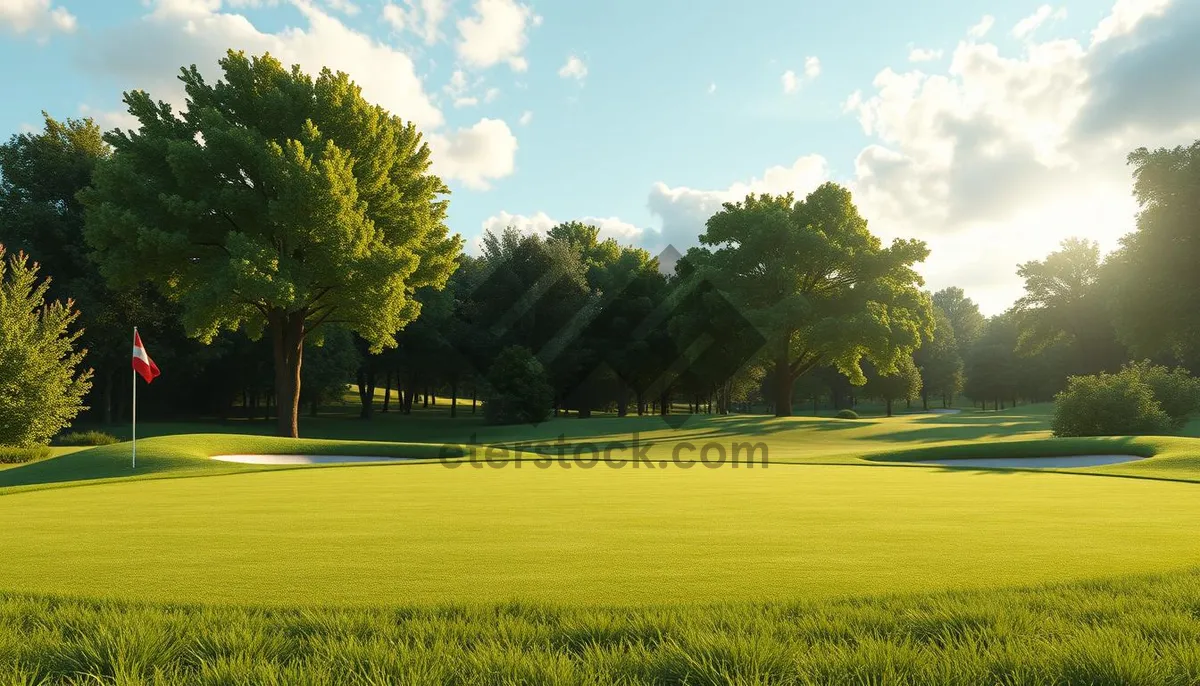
(281, 237)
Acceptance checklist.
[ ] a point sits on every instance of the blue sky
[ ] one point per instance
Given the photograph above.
(644, 115)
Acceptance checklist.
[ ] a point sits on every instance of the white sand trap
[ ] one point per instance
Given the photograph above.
(1066, 462)
(305, 459)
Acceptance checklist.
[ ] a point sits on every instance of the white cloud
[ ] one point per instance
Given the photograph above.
(526, 117)
(109, 119)
(1019, 152)
(683, 211)
(712, 88)
(421, 17)
(1026, 27)
(812, 68)
(495, 33)
(343, 6)
(476, 155)
(574, 68)
(1126, 14)
(37, 17)
(541, 223)
(791, 83)
(491, 94)
(983, 27)
(182, 32)
(924, 55)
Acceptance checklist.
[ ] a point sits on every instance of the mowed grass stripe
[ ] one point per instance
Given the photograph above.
(430, 534)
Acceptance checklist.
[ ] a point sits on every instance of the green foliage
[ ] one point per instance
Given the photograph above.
(939, 360)
(274, 201)
(11, 455)
(1175, 389)
(1064, 303)
(328, 367)
(903, 383)
(965, 319)
(41, 388)
(847, 414)
(1156, 286)
(518, 391)
(817, 283)
(1120, 404)
(85, 438)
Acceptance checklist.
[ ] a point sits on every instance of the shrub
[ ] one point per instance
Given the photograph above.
(1121, 404)
(1175, 389)
(517, 389)
(42, 386)
(10, 455)
(847, 414)
(86, 438)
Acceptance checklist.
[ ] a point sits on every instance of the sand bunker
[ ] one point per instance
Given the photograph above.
(1065, 462)
(304, 459)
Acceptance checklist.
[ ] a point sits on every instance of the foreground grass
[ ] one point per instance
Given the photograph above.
(1129, 631)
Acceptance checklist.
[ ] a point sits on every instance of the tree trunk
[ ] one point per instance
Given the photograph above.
(387, 390)
(454, 397)
(366, 391)
(889, 407)
(473, 398)
(925, 401)
(287, 334)
(107, 397)
(783, 389)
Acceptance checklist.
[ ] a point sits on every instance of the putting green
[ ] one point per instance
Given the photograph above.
(429, 533)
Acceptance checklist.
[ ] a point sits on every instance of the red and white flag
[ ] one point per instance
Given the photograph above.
(142, 364)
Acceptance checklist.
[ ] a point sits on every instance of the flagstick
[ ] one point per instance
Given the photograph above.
(135, 409)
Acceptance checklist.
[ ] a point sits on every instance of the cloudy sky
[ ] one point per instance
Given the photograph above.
(992, 129)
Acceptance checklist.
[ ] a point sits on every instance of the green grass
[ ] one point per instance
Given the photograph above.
(840, 561)
(1125, 631)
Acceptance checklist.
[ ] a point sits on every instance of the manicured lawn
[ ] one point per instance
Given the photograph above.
(837, 561)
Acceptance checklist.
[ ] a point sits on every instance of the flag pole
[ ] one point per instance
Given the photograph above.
(134, 371)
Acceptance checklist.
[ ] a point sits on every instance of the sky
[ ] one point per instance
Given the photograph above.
(991, 129)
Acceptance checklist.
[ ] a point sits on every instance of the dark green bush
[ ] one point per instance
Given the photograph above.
(518, 391)
(11, 455)
(1120, 404)
(1175, 389)
(847, 414)
(86, 438)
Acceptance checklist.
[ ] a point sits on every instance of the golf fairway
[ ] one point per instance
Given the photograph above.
(400, 534)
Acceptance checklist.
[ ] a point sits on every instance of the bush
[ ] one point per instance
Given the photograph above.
(517, 390)
(1121, 404)
(10, 455)
(86, 438)
(43, 387)
(847, 414)
(1175, 389)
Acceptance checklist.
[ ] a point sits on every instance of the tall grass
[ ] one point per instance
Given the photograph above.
(1130, 631)
(11, 455)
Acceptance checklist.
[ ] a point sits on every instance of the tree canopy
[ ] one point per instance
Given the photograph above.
(274, 201)
(818, 285)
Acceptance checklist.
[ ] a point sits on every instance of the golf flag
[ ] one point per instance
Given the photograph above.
(142, 364)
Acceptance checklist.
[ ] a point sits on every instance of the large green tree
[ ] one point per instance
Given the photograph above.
(1155, 282)
(939, 361)
(903, 383)
(275, 201)
(1064, 303)
(819, 286)
(965, 318)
